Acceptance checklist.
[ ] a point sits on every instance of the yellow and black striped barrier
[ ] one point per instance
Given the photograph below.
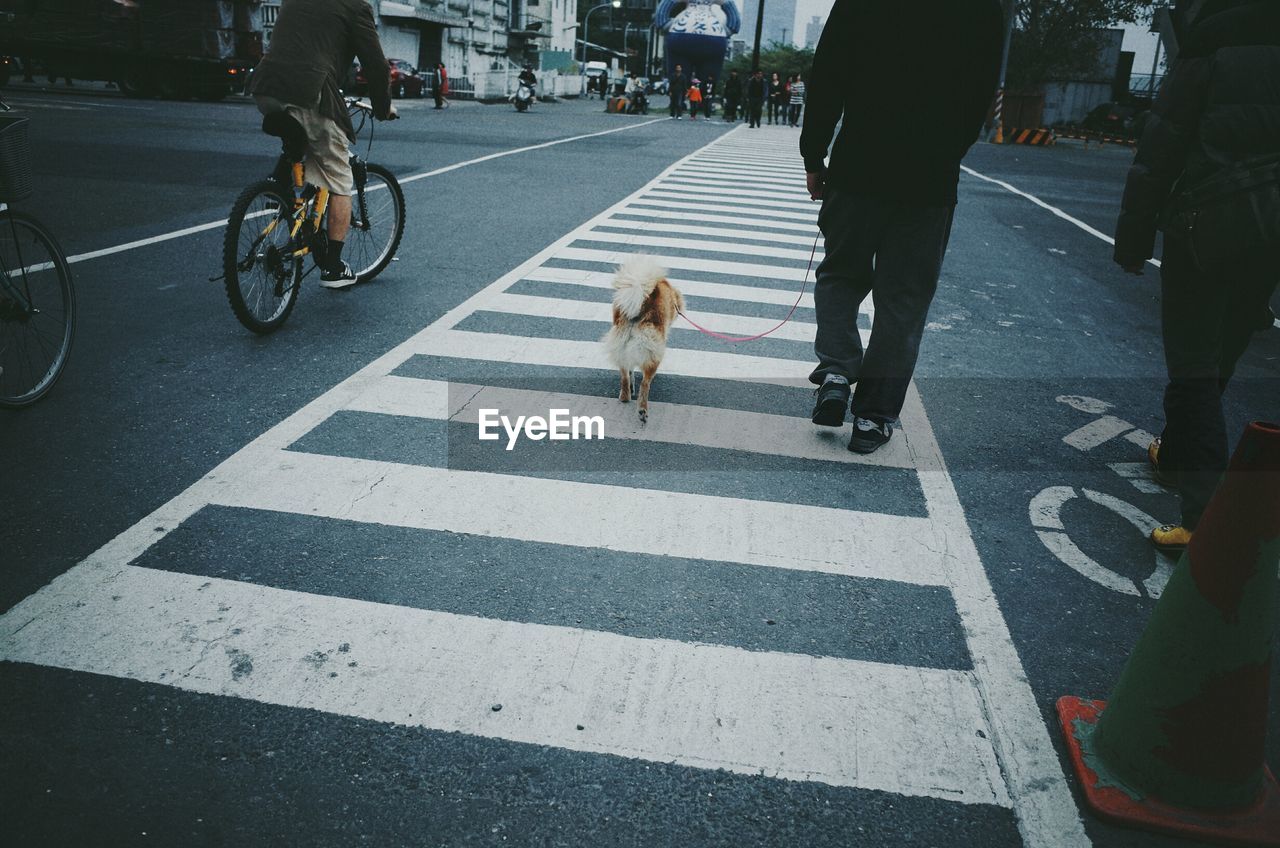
(1039, 136)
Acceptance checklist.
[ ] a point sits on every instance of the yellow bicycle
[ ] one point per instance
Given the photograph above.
(275, 223)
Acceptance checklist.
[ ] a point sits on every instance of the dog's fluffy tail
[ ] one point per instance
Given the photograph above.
(634, 282)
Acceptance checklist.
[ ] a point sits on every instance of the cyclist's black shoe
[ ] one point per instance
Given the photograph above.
(338, 279)
(832, 401)
(869, 436)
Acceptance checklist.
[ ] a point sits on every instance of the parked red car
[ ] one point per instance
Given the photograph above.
(405, 80)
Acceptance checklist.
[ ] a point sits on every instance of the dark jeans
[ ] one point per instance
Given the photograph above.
(731, 110)
(793, 114)
(1207, 320)
(775, 111)
(892, 251)
(677, 105)
(755, 107)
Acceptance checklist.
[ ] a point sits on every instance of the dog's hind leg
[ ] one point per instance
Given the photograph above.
(649, 370)
(624, 393)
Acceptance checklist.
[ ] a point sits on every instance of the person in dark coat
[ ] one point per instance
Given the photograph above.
(756, 91)
(732, 96)
(1219, 105)
(888, 198)
(677, 85)
(312, 46)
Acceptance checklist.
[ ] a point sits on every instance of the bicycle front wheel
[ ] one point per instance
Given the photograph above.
(377, 223)
(37, 310)
(261, 274)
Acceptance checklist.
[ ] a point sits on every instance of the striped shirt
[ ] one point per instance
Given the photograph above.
(797, 93)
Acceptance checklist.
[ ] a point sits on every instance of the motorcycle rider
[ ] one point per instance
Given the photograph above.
(528, 78)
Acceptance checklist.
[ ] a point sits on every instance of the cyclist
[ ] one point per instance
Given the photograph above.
(312, 47)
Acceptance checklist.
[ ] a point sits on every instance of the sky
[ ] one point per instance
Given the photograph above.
(1136, 36)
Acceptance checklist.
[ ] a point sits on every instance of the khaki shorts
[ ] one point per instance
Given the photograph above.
(328, 157)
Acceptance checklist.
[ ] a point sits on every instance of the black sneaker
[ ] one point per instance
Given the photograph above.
(832, 401)
(339, 279)
(869, 436)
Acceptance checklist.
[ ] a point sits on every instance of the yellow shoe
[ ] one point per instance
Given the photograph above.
(1164, 478)
(1171, 538)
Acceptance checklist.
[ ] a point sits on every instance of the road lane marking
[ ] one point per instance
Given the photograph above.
(213, 225)
(806, 240)
(710, 187)
(587, 310)
(748, 222)
(691, 288)
(688, 263)
(906, 730)
(672, 423)
(703, 245)
(793, 537)
(666, 201)
(745, 198)
(1096, 432)
(1055, 210)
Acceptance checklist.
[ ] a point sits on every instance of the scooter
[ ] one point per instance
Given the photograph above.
(523, 98)
(639, 102)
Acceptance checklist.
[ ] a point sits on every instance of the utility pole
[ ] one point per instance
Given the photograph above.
(1010, 8)
(755, 51)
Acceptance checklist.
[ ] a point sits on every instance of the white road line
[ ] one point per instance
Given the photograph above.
(720, 195)
(1042, 800)
(671, 423)
(794, 537)
(678, 203)
(733, 177)
(1096, 432)
(644, 239)
(1055, 210)
(713, 187)
(744, 223)
(708, 364)
(741, 269)
(718, 232)
(213, 225)
(910, 731)
(584, 310)
(690, 288)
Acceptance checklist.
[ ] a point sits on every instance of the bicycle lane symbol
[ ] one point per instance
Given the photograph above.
(1046, 507)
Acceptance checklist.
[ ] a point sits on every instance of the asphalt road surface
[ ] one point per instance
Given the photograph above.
(275, 591)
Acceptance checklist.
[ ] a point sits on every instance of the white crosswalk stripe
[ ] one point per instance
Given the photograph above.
(737, 235)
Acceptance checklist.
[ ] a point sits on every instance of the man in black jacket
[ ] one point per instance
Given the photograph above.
(927, 69)
(1219, 105)
(677, 85)
(312, 46)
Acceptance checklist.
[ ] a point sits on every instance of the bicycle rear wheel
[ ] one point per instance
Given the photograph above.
(261, 277)
(37, 310)
(377, 223)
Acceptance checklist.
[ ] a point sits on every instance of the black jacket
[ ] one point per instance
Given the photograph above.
(1220, 103)
(312, 46)
(913, 82)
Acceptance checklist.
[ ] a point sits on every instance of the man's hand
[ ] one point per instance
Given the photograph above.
(814, 182)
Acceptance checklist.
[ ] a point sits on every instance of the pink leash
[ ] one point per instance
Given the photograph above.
(803, 284)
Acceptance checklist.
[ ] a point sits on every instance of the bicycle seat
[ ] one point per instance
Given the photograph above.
(293, 138)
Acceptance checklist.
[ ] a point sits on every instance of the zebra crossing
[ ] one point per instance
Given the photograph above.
(728, 477)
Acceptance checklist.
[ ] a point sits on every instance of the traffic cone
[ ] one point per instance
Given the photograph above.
(1179, 746)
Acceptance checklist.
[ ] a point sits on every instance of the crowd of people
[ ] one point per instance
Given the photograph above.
(755, 99)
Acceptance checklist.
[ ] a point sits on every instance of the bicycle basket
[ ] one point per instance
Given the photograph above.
(15, 159)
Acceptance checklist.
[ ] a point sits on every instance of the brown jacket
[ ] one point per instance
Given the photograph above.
(312, 47)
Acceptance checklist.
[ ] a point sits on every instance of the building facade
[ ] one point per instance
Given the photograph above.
(471, 37)
(812, 32)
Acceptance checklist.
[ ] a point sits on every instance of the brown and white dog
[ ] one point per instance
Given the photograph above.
(644, 307)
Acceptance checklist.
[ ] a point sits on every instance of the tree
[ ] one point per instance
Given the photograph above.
(782, 59)
(1060, 39)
